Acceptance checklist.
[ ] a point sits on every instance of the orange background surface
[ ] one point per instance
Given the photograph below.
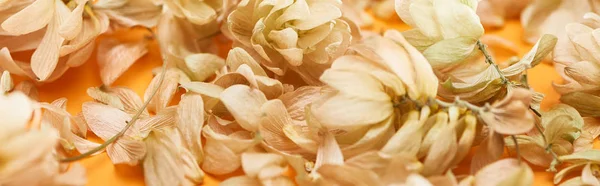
(101, 171)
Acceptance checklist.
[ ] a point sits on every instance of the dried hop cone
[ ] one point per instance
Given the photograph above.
(304, 35)
(579, 66)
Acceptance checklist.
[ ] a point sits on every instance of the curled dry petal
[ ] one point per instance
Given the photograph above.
(275, 121)
(166, 91)
(297, 100)
(224, 146)
(511, 115)
(162, 165)
(37, 15)
(407, 140)
(329, 152)
(490, 150)
(505, 172)
(562, 123)
(114, 58)
(542, 17)
(6, 83)
(585, 103)
(45, 58)
(207, 89)
(442, 152)
(341, 111)
(72, 24)
(589, 132)
(105, 122)
(202, 66)
(190, 114)
(494, 12)
(244, 104)
(105, 97)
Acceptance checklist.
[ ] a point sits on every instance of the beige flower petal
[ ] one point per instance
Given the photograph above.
(442, 152)
(511, 115)
(6, 83)
(103, 120)
(45, 58)
(375, 138)
(354, 63)
(207, 89)
(427, 82)
(562, 122)
(82, 55)
(558, 177)
(346, 175)
(407, 140)
(165, 118)
(355, 84)
(505, 172)
(339, 111)
(241, 180)
(465, 141)
(126, 151)
(190, 115)
(244, 105)
(588, 177)
(219, 159)
(433, 126)
(320, 13)
(166, 91)
(254, 163)
(198, 12)
(490, 150)
(103, 96)
(72, 24)
(83, 145)
(296, 101)
(203, 65)
(271, 87)
(161, 164)
(114, 58)
(584, 72)
(584, 103)
(132, 103)
(238, 56)
(37, 15)
(274, 121)
(14, 67)
(329, 152)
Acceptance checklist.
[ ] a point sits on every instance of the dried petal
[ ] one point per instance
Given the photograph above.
(244, 105)
(114, 58)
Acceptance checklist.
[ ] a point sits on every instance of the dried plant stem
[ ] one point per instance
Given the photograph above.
(490, 60)
(539, 129)
(516, 147)
(459, 103)
(129, 123)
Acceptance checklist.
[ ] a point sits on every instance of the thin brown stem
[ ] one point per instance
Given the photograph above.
(516, 147)
(488, 59)
(129, 123)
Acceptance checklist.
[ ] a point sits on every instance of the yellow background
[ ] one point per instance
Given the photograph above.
(101, 171)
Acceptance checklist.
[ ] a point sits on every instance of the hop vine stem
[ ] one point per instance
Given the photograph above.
(129, 123)
(488, 59)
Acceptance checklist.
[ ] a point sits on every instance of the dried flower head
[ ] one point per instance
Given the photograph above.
(304, 36)
(28, 151)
